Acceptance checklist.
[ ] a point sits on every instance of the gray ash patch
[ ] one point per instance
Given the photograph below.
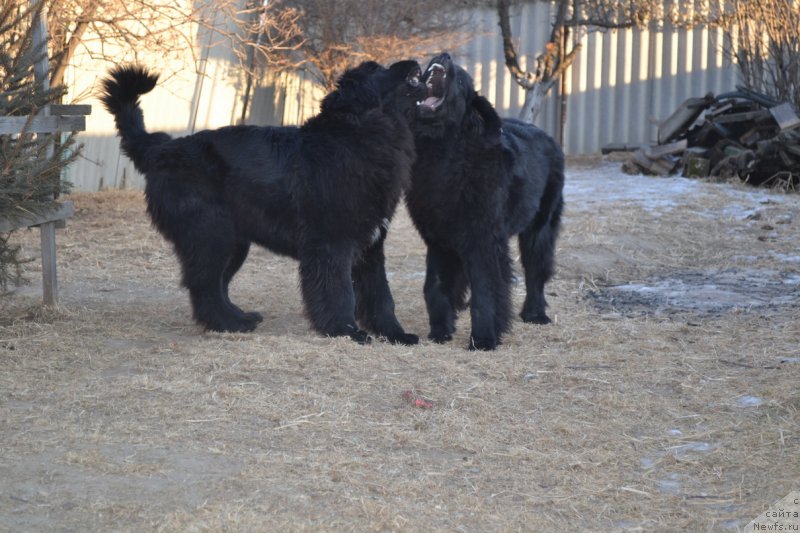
(702, 292)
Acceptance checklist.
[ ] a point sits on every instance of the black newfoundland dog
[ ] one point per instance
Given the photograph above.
(323, 193)
(477, 181)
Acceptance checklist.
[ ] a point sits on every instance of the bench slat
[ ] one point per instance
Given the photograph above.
(70, 109)
(41, 124)
(64, 210)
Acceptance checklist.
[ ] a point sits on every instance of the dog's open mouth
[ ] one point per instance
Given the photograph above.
(436, 84)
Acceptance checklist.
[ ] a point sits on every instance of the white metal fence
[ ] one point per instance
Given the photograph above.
(622, 83)
(620, 86)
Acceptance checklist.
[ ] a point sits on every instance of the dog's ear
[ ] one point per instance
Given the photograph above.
(355, 91)
(490, 122)
(332, 102)
(369, 67)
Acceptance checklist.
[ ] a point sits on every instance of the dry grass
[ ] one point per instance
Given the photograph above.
(119, 414)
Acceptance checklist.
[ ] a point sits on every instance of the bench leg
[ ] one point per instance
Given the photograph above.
(49, 281)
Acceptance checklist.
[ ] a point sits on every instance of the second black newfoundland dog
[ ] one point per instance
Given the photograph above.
(322, 193)
(477, 181)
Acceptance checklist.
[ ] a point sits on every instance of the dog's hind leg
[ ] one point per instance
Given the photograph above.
(204, 243)
(537, 249)
(235, 262)
(210, 307)
(327, 286)
(374, 302)
(445, 285)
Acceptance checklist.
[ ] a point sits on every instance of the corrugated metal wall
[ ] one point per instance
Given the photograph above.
(620, 86)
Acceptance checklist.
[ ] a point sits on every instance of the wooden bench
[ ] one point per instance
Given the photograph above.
(53, 119)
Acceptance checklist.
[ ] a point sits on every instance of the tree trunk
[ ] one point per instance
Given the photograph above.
(534, 101)
(63, 59)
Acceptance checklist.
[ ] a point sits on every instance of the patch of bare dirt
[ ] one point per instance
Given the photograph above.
(663, 397)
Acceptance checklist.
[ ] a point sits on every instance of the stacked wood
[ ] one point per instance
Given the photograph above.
(740, 134)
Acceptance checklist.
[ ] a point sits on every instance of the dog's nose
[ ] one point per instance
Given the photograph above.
(445, 56)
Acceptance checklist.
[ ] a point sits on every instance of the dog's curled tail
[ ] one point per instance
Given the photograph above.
(120, 96)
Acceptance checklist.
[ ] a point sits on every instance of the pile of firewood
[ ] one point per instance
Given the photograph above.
(740, 134)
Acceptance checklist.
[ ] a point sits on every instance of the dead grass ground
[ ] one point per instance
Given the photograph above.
(117, 413)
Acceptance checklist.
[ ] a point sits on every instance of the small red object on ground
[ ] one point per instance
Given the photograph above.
(416, 401)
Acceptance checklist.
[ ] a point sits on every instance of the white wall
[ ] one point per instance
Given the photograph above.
(620, 86)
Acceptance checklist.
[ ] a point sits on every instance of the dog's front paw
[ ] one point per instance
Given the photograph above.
(232, 325)
(535, 318)
(441, 334)
(360, 336)
(483, 343)
(254, 317)
(440, 337)
(407, 339)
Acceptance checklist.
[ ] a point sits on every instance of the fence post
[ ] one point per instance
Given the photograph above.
(47, 230)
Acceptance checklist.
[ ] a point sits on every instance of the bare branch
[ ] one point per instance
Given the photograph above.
(59, 66)
(525, 79)
(339, 32)
(557, 56)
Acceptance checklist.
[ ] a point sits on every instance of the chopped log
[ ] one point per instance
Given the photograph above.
(793, 149)
(682, 118)
(661, 166)
(785, 116)
(719, 109)
(747, 116)
(741, 134)
(786, 159)
(696, 166)
(660, 150)
(756, 133)
(620, 147)
(696, 163)
(708, 134)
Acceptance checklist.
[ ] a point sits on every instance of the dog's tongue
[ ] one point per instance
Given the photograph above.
(431, 101)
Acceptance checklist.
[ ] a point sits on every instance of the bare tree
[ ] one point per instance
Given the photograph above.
(166, 27)
(768, 52)
(337, 33)
(573, 18)
(322, 37)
